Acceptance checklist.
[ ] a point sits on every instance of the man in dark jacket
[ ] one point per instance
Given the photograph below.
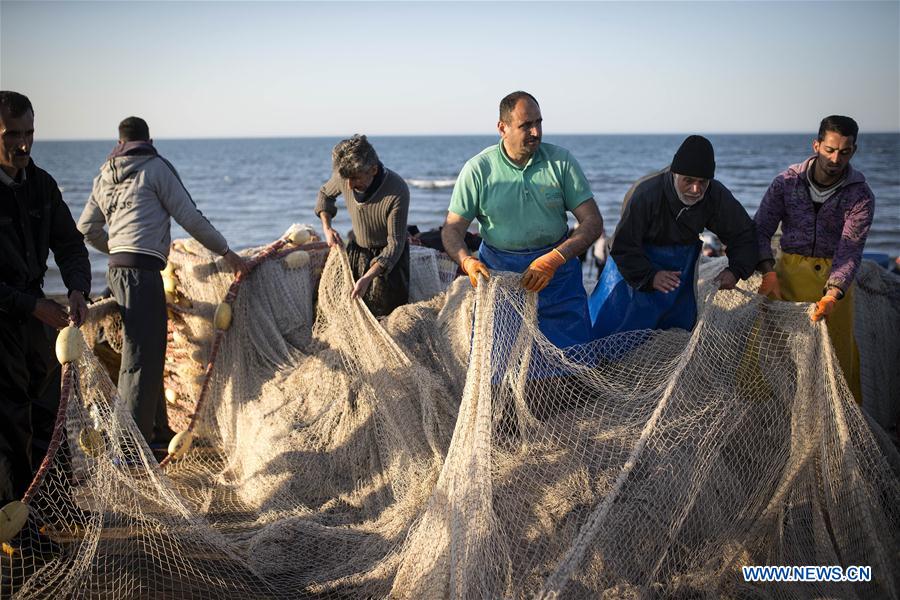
(33, 221)
(649, 280)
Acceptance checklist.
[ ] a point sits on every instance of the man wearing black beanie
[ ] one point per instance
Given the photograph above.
(649, 279)
(695, 158)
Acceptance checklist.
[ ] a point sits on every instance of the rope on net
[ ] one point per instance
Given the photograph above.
(277, 249)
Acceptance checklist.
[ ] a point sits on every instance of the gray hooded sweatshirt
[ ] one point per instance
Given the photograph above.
(135, 195)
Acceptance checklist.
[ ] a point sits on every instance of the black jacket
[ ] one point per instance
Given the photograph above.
(652, 214)
(34, 220)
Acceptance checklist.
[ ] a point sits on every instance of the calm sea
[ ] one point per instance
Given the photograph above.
(253, 189)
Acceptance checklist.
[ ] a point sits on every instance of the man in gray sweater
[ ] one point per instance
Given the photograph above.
(378, 202)
(136, 195)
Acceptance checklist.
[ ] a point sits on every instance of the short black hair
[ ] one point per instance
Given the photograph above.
(845, 126)
(134, 129)
(508, 104)
(15, 104)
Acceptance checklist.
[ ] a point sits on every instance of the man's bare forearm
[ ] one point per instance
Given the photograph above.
(453, 236)
(581, 240)
(590, 226)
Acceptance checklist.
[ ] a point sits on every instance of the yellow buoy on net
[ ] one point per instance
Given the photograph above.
(13, 517)
(299, 236)
(68, 345)
(297, 260)
(222, 318)
(180, 444)
(169, 283)
(92, 442)
(171, 396)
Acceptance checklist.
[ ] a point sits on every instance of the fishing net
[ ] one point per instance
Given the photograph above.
(450, 451)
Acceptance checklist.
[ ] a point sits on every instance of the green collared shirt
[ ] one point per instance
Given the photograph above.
(520, 208)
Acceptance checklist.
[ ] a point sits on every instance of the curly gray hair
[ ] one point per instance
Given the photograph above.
(353, 156)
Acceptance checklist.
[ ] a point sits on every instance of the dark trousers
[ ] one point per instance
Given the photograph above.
(142, 304)
(29, 375)
(388, 290)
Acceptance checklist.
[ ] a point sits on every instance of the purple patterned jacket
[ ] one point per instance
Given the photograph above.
(838, 231)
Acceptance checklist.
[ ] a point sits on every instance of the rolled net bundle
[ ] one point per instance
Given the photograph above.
(313, 429)
(655, 463)
(449, 450)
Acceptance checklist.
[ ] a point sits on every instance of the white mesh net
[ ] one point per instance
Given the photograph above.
(450, 451)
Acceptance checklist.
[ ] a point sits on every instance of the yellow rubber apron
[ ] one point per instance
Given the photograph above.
(802, 279)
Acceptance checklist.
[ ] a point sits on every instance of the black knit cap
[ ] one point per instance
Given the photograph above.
(695, 158)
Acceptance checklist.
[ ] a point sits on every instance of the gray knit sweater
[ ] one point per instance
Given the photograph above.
(380, 221)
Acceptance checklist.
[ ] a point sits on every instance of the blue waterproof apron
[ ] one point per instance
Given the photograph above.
(616, 307)
(562, 306)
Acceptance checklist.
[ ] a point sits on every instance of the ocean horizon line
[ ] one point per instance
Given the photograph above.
(448, 135)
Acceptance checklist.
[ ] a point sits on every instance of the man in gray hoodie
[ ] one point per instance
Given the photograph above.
(136, 195)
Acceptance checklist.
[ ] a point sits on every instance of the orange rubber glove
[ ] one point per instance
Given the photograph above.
(472, 266)
(541, 270)
(770, 286)
(824, 307)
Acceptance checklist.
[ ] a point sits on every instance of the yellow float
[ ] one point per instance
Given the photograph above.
(222, 318)
(68, 345)
(297, 260)
(91, 442)
(299, 236)
(13, 517)
(180, 444)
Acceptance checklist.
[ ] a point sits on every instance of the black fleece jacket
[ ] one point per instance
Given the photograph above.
(33, 221)
(653, 215)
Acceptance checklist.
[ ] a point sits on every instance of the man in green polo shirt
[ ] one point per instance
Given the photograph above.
(520, 191)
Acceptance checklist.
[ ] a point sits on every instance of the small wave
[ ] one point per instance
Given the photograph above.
(430, 184)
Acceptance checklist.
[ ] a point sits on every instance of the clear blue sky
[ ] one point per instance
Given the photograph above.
(236, 69)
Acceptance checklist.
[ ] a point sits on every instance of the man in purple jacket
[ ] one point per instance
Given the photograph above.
(825, 209)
